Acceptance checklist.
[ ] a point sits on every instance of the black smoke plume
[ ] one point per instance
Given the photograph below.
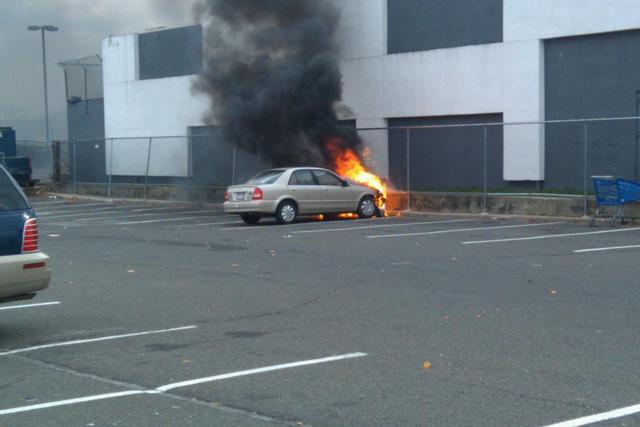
(273, 79)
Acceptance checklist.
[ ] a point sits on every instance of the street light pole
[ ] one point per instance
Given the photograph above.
(42, 29)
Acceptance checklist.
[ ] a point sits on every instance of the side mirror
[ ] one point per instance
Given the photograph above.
(345, 183)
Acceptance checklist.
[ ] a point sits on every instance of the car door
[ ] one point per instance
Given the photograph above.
(336, 196)
(306, 191)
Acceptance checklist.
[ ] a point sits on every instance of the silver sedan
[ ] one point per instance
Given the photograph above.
(289, 192)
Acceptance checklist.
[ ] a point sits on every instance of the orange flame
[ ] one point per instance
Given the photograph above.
(348, 164)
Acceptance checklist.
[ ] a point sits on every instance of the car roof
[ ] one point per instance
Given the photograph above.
(307, 167)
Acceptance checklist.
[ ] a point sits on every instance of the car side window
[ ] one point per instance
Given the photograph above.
(327, 178)
(10, 197)
(302, 177)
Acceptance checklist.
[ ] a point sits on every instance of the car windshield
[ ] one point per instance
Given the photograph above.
(10, 197)
(266, 177)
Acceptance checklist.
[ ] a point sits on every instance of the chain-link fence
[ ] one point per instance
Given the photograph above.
(194, 167)
(479, 164)
(471, 166)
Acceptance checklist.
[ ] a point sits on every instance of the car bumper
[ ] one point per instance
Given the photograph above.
(266, 207)
(23, 274)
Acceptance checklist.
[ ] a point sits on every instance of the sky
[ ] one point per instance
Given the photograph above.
(82, 24)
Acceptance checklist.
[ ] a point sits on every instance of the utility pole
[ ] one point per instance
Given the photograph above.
(42, 29)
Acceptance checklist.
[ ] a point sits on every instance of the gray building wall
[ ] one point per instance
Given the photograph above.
(445, 158)
(212, 159)
(589, 77)
(85, 125)
(170, 53)
(414, 25)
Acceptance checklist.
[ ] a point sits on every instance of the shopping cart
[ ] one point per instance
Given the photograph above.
(616, 192)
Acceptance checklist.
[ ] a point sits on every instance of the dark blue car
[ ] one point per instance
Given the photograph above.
(24, 269)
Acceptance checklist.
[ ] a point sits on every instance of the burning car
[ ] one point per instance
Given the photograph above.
(286, 193)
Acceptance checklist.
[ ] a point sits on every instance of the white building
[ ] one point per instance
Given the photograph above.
(408, 62)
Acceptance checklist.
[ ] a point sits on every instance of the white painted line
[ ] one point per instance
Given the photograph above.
(112, 337)
(40, 304)
(111, 210)
(164, 219)
(72, 401)
(128, 214)
(313, 222)
(46, 203)
(404, 224)
(259, 371)
(201, 224)
(611, 248)
(167, 387)
(616, 413)
(74, 207)
(457, 230)
(550, 236)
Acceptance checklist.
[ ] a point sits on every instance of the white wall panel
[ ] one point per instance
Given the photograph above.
(464, 80)
(542, 19)
(143, 108)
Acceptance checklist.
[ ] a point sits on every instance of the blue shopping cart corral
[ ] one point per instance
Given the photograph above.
(617, 192)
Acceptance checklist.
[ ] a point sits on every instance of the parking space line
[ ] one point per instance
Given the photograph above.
(47, 203)
(40, 304)
(148, 221)
(167, 387)
(74, 207)
(549, 236)
(142, 215)
(201, 224)
(110, 210)
(72, 401)
(128, 214)
(258, 371)
(610, 248)
(458, 230)
(404, 224)
(590, 419)
(90, 340)
(270, 226)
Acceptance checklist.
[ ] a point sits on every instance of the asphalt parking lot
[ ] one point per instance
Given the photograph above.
(170, 315)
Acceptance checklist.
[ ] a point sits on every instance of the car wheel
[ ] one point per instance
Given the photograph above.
(366, 207)
(250, 219)
(286, 212)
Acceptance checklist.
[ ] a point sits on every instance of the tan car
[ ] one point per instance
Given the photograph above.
(287, 193)
(24, 269)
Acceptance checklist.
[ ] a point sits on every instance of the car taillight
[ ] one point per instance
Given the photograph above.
(30, 236)
(226, 196)
(258, 194)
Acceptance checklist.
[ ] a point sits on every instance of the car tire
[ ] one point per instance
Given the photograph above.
(286, 212)
(251, 219)
(366, 207)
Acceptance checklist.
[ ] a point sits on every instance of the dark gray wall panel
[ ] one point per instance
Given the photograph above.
(589, 77)
(85, 121)
(169, 53)
(445, 158)
(414, 25)
(212, 159)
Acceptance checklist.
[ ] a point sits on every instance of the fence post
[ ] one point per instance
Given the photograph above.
(233, 168)
(146, 174)
(75, 167)
(408, 139)
(484, 171)
(586, 170)
(110, 167)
